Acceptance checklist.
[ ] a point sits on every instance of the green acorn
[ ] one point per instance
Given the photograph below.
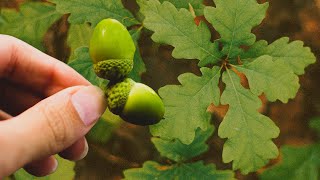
(112, 50)
(135, 102)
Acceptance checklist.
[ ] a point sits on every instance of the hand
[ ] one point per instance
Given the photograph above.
(53, 107)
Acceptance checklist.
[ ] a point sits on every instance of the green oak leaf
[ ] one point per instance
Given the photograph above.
(102, 131)
(197, 5)
(94, 11)
(293, 54)
(186, 105)
(273, 78)
(249, 133)
(138, 63)
(315, 124)
(234, 19)
(135, 35)
(256, 50)
(29, 24)
(83, 65)
(78, 36)
(138, 66)
(178, 29)
(297, 163)
(65, 171)
(192, 171)
(177, 151)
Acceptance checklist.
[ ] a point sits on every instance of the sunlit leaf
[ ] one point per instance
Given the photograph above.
(186, 105)
(234, 20)
(177, 28)
(249, 133)
(293, 54)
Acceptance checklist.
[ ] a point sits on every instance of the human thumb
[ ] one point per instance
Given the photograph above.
(49, 127)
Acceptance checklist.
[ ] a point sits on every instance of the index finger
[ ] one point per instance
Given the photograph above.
(25, 65)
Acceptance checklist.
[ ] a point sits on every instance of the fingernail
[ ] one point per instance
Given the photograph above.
(54, 166)
(90, 104)
(85, 150)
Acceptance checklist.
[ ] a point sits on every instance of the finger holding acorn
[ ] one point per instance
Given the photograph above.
(112, 50)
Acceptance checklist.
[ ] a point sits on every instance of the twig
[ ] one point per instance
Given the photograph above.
(239, 60)
(192, 11)
(115, 160)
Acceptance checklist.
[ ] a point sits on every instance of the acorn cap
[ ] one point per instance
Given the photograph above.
(113, 69)
(117, 95)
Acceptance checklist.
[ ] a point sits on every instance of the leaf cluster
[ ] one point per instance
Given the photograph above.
(271, 70)
(181, 169)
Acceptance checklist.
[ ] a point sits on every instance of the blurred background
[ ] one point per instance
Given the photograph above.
(128, 146)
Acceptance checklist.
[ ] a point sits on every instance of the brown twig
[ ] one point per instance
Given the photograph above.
(239, 61)
(115, 160)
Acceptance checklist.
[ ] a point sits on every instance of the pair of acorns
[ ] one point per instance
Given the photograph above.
(112, 50)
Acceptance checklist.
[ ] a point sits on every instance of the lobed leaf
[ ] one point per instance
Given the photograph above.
(177, 28)
(83, 65)
(135, 35)
(186, 105)
(293, 54)
(177, 151)
(234, 19)
(297, 163)
(29, 24)
(249, 133)
(197, 5)
(138, 64)
(274, 79)
(65, 171)
(78, 36)
(256, 50)
(191, 171)
(103, 130)
(94, 11)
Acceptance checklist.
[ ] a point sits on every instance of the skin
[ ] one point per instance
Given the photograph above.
(38, 114)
